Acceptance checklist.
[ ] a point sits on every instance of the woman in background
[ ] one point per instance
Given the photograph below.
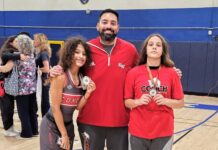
(43, 56)
(8, 54)
(26, 99)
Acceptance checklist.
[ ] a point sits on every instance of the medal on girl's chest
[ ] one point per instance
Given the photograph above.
(153, 92)
(154, 82)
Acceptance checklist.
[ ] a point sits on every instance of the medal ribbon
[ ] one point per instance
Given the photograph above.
(151, 77)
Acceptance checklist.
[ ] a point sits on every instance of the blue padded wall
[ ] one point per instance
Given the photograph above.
(179, 52)
(197, 67)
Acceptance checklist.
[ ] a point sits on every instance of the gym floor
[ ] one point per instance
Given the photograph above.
(196, 127)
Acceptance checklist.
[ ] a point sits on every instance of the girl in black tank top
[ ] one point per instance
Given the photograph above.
(66, 94)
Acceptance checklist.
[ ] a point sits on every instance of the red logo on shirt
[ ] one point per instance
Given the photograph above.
(162, 89)
(70, 100)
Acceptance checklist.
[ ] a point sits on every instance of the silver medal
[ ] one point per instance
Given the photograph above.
(85, 81)
(152, 92)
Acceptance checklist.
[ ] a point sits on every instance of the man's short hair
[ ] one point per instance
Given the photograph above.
(109, 11)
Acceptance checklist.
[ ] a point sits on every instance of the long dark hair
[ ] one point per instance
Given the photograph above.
(68, 50)
(7, 45)
(165, 58)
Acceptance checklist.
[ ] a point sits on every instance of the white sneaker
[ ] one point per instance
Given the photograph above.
(15, 131)
(11, 132)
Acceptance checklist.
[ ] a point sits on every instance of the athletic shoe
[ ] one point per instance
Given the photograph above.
(11, 132)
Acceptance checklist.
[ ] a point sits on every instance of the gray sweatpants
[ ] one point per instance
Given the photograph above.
(162, 143)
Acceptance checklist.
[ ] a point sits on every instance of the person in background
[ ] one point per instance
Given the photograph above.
(8, 54)
(26, 99)
(67, 94)
(152, 90)
(43, 51)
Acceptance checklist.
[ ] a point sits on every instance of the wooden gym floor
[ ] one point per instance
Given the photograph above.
(196, 127)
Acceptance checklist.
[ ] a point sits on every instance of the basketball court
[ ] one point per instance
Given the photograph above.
(196, 127)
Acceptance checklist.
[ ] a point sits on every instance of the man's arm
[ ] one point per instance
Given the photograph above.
(178, 71)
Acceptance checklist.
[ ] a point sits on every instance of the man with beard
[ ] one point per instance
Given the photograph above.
(105, 117)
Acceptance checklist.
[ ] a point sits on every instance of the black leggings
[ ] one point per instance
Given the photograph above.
(27, 112)
(7, 110)
(45, 105)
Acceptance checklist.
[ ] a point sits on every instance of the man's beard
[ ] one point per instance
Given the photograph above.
(107, 37)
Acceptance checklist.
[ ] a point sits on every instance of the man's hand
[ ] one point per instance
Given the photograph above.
(56, 71)
(178, 71)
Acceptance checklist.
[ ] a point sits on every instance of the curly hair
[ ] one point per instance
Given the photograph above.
(165, 58)
(25, 44)
(44, 45)
(68, 50)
